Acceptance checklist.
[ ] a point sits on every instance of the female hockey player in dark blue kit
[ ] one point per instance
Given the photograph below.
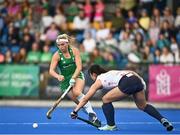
(119, 84)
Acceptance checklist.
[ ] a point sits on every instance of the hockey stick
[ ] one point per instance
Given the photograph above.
(88, 122)
(48, 114)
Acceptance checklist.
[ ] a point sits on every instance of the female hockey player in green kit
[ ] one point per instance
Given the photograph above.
(67, 59)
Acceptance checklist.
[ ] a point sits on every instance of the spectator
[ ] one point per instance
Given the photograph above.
(144, 20)
(59, 18)
(166, 30)
(13, 8)
(34, 55)
(99, 11)
(13, 36)
(168, 16)
(52, 32)
(137, 29)
(4, 8)
(96, 57)
(46, 20)
(108, 60)
(54, 3)
(37, 36)
(46, 55)
(21, 56)
(8, 57)
(81, 22)
(153, 31)
(139, 41)
(37, 11)
(131, 17)
(162, 42)
(127, 28)
(21, 21)
(110, 41)
(26, 31)
(31, 25)
(26, 8)
(147, 55)
(134, 56)
(89, 43)
(157, 55)
(102, 33)
(88, 9)
(175, 49)
(26, 42)
(152, 45)
(166, 56)
(47, 43)
(118, 21)
(45, 4)
(156, 16)
(177, 19)
(92, 31)
(72, 11)
(125, 45)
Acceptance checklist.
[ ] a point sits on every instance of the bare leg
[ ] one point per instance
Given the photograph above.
(77, 93)
(72, 97)
(141, 103)
(78, 87)
(140, 100)
(113, 95)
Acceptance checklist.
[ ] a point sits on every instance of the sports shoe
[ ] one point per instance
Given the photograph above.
(93, 118)
(107, 127)
(167, 124)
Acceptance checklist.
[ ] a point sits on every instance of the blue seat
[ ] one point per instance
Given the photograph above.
(53, 49)
(4, 49)
(15, 49)
(80, 37)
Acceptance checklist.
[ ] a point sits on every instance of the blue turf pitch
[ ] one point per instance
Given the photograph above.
(19, 120)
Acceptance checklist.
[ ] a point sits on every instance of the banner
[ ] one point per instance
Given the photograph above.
(164, 83)
(19, 80)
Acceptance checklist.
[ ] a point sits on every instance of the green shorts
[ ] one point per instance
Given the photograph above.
(65, 84)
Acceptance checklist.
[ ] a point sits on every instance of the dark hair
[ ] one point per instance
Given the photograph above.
(96, 69)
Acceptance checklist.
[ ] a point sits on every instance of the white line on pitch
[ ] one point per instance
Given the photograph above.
(80, 123)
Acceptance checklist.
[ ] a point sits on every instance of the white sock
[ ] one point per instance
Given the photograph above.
(87, 107)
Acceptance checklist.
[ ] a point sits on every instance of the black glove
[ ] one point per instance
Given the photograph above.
(74, 115)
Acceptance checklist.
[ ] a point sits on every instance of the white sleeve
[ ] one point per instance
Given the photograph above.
(102, 79)
(99, 78)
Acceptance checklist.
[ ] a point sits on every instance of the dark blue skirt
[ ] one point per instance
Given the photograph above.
(130, 84)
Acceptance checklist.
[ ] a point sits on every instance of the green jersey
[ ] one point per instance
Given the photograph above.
(67, 67)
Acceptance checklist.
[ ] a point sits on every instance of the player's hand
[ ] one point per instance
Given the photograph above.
(74, 115)
(60, 78)
(72, 82)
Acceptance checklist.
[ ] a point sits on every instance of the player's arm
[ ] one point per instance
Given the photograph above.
(89, 94)
(78, 63)
(53, 65)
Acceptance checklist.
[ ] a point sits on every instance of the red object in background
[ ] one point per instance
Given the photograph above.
(2, 58)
